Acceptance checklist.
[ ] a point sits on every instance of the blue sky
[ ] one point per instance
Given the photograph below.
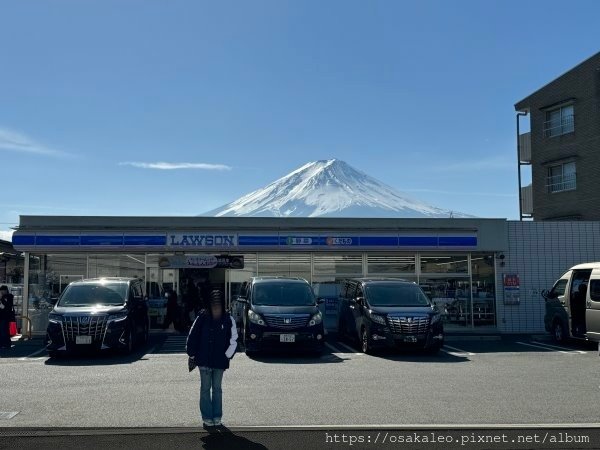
(236, 94)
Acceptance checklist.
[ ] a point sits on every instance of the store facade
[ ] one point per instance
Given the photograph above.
(456, 261)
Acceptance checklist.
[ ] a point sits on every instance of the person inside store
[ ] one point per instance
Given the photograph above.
(6, 316)
(211, 344)
(172, 310)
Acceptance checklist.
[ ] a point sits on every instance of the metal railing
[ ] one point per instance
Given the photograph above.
(560, 183)
(565, 125)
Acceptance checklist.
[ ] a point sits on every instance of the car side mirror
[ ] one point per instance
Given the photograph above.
(360, 301)
(320, 301)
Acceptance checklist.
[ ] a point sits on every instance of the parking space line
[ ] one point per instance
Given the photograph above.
(36, 353)
(459, 351)
(350, 349)
(541, 347)
(543, 344)
(332, 348)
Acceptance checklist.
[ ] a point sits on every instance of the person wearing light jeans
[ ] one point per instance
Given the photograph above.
(212, 342)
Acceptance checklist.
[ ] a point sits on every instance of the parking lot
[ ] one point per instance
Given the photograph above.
(476, 380)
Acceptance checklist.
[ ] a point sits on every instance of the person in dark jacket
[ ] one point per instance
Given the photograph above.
(212, 342)
(6, 316)
(172, 310)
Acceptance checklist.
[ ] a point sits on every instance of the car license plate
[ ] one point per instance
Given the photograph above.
(287, 338)
(83, 339)
(153, 311)
(410, 339)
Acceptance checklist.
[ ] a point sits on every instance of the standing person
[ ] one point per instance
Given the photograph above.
(172, 313)
(6, 316)
(212, 342)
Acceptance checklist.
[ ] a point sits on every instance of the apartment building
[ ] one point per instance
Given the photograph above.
(563, 146)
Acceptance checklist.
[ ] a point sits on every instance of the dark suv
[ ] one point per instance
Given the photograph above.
(281, 312)
(389, 313)
(99, 314)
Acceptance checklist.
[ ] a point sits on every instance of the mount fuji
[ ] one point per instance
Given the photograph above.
(329, 188)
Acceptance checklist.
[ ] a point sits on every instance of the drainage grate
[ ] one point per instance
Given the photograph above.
(7, 415)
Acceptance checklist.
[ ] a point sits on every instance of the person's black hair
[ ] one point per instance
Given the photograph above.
(4, 288)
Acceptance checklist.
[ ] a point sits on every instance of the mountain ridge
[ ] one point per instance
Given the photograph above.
(329, 188)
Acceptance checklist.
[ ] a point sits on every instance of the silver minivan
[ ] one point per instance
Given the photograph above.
(573, 304)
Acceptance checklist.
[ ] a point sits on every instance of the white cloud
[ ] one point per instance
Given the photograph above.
(17, 142)
(6, 235)
(175, 166)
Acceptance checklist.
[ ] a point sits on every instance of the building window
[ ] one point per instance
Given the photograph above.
(559, 121)
(562, 177)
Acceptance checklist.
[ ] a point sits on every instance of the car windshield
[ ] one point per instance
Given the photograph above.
(283, 294)
(105, 294)
(392, 294)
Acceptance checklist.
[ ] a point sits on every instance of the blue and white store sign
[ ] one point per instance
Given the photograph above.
(201, 240)
(227, 240)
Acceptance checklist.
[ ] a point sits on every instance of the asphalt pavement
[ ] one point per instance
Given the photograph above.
(507, 381)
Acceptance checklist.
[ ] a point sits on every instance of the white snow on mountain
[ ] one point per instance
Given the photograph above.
(330, 188)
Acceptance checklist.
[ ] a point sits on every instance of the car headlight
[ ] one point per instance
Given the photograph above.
(118, 316)
(56, 318)
(377, 318)
(436, 318)
(255, 318)
(316, 319)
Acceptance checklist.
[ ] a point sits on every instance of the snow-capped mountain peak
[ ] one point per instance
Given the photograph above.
(330, 188)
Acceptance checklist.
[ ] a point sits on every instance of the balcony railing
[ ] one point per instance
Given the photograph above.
(560, 183)
(557, 127)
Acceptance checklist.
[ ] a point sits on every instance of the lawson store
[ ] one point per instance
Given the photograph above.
(456, 261)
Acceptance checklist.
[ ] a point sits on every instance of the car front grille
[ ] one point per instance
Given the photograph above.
(287, 321)
(84, 326)
(408, 324)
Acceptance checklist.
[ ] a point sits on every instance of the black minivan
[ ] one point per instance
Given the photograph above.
(98, 314)
(281, 312)
(389, 313)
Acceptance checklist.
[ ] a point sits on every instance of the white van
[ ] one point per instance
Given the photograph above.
(573, 304)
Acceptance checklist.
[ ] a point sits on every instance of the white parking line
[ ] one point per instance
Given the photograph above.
(543, 344)
(347, 347)
(36, 353)
(458, 351)
(541, 347)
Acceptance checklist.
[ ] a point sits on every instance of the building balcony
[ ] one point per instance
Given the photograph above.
(525, 148)
(527, 200)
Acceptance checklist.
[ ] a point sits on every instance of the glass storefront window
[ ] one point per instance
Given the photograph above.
(337, 264)
(391, 264)
(452, 297)
(49, 275)
(484, 289)
(284, 265)
(444, 263)
(116, 265)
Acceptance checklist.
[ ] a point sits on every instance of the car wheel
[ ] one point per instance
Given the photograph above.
(130, 344)
(365, 342)
(559, 331)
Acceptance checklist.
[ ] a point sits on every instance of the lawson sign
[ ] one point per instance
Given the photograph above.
(201, 240)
